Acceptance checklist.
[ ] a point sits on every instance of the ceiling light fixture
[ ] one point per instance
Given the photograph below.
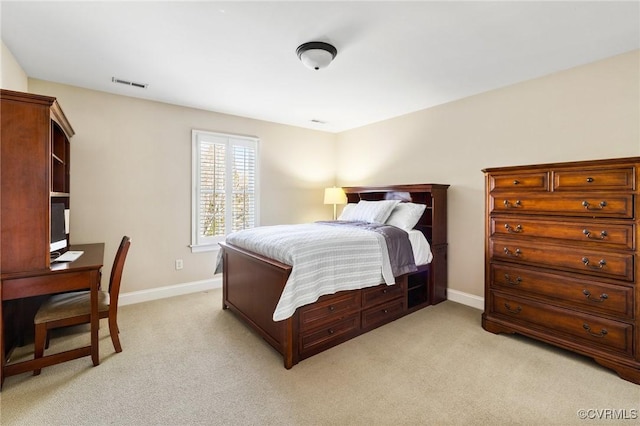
(316, 54)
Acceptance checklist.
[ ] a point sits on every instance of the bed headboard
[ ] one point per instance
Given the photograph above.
(433, 223)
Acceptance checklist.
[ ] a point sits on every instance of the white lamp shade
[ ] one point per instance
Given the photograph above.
(334, 196)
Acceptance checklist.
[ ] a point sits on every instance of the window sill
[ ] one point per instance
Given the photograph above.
(204, 248)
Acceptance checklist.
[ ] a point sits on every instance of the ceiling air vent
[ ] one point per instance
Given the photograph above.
(129, 83)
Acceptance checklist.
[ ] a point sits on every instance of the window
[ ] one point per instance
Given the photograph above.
(224, 187)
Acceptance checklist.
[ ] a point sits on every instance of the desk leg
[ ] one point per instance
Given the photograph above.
(95, 318)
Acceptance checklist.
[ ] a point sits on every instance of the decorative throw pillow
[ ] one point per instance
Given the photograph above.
(406, 215)
(373, 211)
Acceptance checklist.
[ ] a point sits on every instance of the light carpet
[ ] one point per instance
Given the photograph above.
(185, 361)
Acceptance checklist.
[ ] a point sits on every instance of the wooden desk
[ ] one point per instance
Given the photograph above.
(81, 274)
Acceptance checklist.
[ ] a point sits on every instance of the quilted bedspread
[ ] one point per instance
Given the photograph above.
(326, 258)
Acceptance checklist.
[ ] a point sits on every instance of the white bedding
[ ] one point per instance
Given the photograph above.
(344, 258)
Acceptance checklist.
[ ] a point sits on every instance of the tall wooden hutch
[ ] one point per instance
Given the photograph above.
(34, 174)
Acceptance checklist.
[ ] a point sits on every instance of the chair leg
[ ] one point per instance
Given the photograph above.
(39, 341)
(113, 331)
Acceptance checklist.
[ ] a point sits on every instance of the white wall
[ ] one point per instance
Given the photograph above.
(131, 174)
(12, 76)
(589, 112)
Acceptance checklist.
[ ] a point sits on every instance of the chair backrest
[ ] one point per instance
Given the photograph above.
(116, 272)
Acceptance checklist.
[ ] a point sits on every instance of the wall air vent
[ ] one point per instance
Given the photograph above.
(129, 83)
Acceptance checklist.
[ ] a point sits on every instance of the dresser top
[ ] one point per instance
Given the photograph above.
(576, 164)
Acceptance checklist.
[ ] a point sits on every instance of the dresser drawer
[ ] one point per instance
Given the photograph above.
(591, 205)
(599, 263)
(612, 179)
(584, 294)
(607, 334)
(599, 233)
(329, 335)
(538, 181)
(374, 317)
(382, 293)
(329, 309)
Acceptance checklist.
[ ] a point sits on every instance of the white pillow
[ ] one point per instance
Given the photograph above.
(372, 211)
(406, 215)
(347, 211)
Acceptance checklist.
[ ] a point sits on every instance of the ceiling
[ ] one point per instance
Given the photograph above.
(240, 57)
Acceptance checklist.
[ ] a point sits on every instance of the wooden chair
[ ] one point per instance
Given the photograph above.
(63, 310)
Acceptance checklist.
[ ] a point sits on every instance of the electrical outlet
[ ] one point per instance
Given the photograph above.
(179, 264)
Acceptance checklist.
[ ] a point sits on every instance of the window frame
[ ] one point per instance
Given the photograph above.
(198, 242)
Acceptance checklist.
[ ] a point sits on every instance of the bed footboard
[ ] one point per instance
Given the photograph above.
(251, 287)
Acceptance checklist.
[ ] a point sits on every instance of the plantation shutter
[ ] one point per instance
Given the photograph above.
(225, 186)
(212, 189)
(243, 165)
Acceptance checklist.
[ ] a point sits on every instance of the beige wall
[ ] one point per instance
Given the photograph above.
(131, 161)
(131, 174)
(12, 76)
(588, 112)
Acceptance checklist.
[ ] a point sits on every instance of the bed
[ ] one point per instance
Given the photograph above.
(254, 283)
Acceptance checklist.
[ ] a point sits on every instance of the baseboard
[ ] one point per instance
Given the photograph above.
(465, 299)
(169, 291)
(216, 282)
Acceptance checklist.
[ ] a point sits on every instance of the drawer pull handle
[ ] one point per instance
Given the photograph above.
(515, 230)
(332, 308)
(589, 180)
(508, 280)
(600, 265)
(602, 333)
(588, 234)
(513, 311)
(384, 291)
(515, 182)
(516, 253)
(600, 206)
(386, 311)
(508, 204)
(330, 331)
(603, 296)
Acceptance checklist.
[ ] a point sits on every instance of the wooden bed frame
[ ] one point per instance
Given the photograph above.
(252, 285)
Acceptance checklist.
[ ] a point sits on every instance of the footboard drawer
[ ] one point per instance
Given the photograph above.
(382, 293)
(329, 309)
(329, 335)
(375, 317)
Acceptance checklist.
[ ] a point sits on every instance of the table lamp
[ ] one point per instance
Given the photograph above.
(334, 196)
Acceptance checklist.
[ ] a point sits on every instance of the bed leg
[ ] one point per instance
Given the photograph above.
(289, 342)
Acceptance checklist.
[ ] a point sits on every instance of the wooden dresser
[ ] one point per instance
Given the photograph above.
(561, 257)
